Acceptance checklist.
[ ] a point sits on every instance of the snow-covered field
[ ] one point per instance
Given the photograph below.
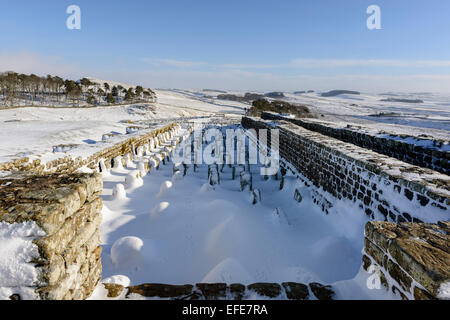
(34, 131)
(432, 117)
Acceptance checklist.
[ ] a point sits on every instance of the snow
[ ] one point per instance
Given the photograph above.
(133, 180)
(126, 251)
(118, 279)
(193, 232)
(228, 271)
(38, 131)
(119, 192)
(444, 291)
(163, 227)
(35, 131)
(165, 187)
(434, 113)
(16, 251)
(161, 207)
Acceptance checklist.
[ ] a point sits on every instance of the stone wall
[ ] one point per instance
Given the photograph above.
(413, 258)
(217, 291)
(67, 209)
(383, 187)
(426, 157)
(69, 164)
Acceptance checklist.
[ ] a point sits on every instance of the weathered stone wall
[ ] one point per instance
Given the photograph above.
(217, 291)
(68, 164)
(67, 208)
(426, 157)
(383, 187)
(413, 258)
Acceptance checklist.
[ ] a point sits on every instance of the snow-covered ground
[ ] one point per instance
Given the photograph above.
(179, 230)
(34, 131)
(16, 252)
(368, 109)
(175, 229)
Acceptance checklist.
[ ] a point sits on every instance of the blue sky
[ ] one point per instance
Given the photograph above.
(246, 44)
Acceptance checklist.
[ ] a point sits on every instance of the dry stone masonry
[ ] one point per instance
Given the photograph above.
(383, 187)
(217, 291)
(67, 209)
(64, 205)
(414, 258)
(60, 214)
(423, 156)
(69, 164)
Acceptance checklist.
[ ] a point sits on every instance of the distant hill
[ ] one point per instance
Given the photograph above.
(334, 93)
(302, 92)
(402, 100)
(213, 90)
(253, 96)
(248, 97)
(275, 95)
(281, 107)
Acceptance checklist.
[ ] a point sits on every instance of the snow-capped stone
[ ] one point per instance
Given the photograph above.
(126, 252)
(118, 163)
(165, 186)
(119, 192)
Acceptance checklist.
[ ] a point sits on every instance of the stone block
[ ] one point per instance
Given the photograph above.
(271, 290)
(296, 291)
(114, 290)
(420, 251)
(380, 233)
(423, 262)
(420, 294)
(322, 292)
(399, 275)
(213, 291)
(161, 290)
(237, 291)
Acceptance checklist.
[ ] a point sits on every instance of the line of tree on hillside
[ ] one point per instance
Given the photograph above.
(22, 89)
(282, 107)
